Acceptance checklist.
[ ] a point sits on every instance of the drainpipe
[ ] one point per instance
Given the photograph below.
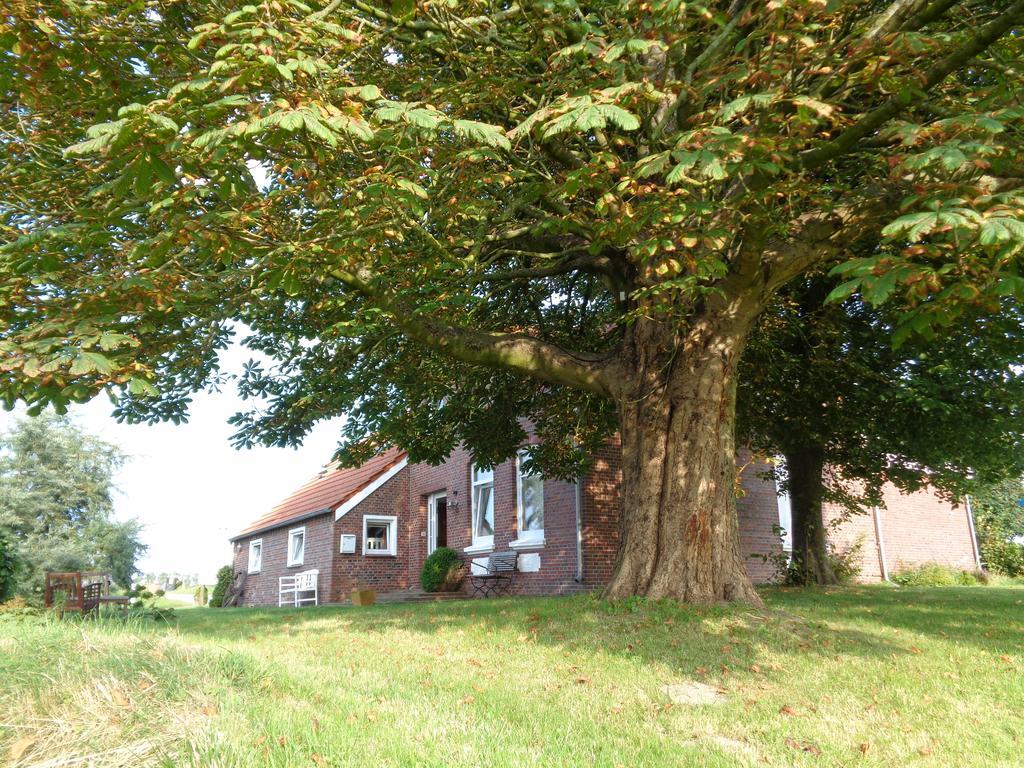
(881, 543)
(579, 531)
(974, 533)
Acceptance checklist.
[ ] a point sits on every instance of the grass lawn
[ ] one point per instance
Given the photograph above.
(866, 676)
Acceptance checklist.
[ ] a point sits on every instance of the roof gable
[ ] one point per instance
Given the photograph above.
(330, 489)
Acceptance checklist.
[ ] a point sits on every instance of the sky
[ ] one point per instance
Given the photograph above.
(188, 487)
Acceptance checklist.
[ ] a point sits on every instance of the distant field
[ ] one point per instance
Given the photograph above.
(866, 676)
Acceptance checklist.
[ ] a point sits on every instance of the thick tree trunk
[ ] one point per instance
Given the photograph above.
(679, 533)
(811, 564)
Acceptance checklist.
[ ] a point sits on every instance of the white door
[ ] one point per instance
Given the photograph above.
(432, 521)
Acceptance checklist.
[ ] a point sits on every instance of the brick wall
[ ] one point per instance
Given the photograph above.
(385, 573)
(558, 554)
(262, 588)
(916, 528)
(757, 508)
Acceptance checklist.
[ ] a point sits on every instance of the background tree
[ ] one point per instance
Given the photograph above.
(823, 385)
(56, 487)
(439, 218)
(999, 521)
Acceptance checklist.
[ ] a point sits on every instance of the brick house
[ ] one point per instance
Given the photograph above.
(375, 524)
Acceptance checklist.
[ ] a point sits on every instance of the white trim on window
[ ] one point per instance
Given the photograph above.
(296, 558)
(374, 546)
(352, 503)
(534, 537)
(255, 562)
(481, 488)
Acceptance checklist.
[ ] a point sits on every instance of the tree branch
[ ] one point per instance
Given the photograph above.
(518, 352)
(819, 235)
(872, 121)
(891, 19)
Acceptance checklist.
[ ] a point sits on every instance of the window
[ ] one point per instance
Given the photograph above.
(296, 546)
(483, 507)
(380, 535)
(530, 491)
(255, 555)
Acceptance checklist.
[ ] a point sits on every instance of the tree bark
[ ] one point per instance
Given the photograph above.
(679, 531)
(811, 564)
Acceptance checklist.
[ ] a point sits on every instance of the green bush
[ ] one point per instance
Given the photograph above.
(224, 576)
(9, 568)
(937, 575)
(442, 571)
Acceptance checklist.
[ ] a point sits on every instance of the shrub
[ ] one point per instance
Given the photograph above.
(18, 607)
(937, 575)
(441, 571)
(224, 576)
(9, 567)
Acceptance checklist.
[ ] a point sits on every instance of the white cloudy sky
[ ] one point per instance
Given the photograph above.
(186, 484)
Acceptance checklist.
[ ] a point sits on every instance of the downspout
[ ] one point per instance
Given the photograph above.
(881, 543)
(579, 531)
(974, 533)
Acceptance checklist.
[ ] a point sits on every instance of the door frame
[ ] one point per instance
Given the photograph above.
(432, 500)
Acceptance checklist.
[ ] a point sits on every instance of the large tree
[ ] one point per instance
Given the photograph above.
(56, 503)
(442, 217)
(823, 385)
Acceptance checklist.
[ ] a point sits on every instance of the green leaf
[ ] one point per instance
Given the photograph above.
(90, 362)
(491, 135)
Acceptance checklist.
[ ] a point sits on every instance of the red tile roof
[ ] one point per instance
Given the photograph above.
(328, 490)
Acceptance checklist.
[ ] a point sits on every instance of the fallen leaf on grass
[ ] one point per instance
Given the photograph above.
(788, 710)
(803, 746)
(320, 762)
(582, 680)
(21, 746)
(864, 747)
(210, 710)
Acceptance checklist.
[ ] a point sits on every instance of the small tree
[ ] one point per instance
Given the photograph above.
(999, 522)
(220, 589)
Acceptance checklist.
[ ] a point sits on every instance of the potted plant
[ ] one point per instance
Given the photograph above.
(363, 595)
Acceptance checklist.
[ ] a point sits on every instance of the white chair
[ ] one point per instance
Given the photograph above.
(291, 589)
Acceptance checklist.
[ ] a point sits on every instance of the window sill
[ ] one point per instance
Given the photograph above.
(479, 549)
(527, 544)
(251, 573)
(294, 565)
(380, 554)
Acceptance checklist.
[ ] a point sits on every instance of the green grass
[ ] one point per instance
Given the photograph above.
(866, 676)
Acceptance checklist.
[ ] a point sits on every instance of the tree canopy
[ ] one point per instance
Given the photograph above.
(56, 503)
(442, 217)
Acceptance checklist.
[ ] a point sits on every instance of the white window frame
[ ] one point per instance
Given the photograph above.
(292, 534)
(392, 522)
(259, 565)
(535, 537)
(480, 543)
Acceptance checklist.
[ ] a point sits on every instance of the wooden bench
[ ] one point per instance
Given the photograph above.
(80, 592)
(497, 575)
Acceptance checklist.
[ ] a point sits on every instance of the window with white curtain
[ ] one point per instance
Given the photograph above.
(296, 546)
(483, 507)
(530, 492)
(255, 555)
